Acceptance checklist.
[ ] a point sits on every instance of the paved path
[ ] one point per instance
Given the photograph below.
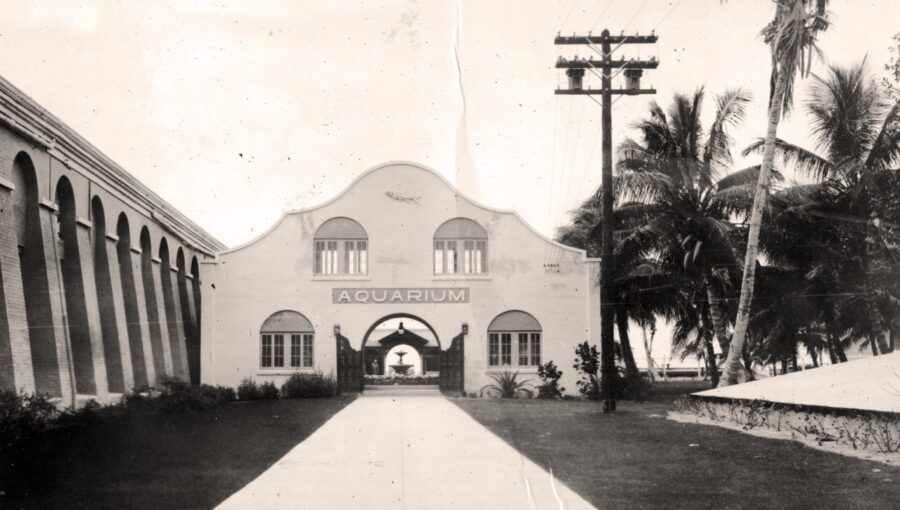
(404, 452)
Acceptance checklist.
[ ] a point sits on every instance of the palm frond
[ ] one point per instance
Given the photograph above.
(731, 108)
(643, 186)
(885, 149)
(749, 175)
(788, 155)
(791, 35)
(843, 105)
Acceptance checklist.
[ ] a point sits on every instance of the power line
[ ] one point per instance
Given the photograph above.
(571, 10)
(594, 26)
(666, 15)
(641, 8)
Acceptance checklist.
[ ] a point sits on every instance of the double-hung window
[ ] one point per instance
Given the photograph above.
(286, 341)
(341, 248)
(514, 340)
(301, 350)
(460, 247)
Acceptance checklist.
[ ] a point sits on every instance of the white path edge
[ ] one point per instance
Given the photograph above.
(404, 452)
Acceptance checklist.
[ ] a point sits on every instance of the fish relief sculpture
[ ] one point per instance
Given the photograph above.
(402, 197)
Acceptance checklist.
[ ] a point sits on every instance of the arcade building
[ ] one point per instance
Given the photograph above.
(400, 261)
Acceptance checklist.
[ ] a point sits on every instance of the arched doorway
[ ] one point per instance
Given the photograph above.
(447, 364)
(384, 338)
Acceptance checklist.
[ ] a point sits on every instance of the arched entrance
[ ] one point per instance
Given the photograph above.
(381, 339)
(402, 329)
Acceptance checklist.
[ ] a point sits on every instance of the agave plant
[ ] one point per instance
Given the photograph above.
(507, 385)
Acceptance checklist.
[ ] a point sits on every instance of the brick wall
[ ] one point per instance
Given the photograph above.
(82, 308)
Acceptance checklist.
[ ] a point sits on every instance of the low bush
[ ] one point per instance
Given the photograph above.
(248, 389)
(26, 419)
(309, 385)
(550, 374)
(632, 386)
(179, 396)
(23, 417)
(268, 391)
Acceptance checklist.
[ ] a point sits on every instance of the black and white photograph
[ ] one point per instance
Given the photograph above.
(450, 254)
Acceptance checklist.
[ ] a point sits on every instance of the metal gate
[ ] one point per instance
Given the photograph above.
(349, 366)
(453, 366)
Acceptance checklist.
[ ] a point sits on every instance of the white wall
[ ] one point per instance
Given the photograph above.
(275, 272)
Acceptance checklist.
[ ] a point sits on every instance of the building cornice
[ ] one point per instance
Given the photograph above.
(30, 120)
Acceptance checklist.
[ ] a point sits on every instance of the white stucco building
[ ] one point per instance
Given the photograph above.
(399, 243)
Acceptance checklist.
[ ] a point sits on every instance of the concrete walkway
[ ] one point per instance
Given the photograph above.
(410, 452)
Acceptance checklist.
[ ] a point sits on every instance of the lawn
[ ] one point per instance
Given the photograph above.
(635, 458)
(187, 460)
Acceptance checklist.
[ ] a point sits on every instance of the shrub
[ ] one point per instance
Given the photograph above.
(632, 386)
(179, 396)
(309, 385)
(507, 385)
(88, 414)
(23, 417)
(550, 374)
(268, 391)
(248, 389)
(587, 362)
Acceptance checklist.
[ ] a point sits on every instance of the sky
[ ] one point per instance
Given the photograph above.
(235, 112)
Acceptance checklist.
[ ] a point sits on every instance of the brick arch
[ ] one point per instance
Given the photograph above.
(172, 309)
(132, 302)
(195, 284)
(188, 314)
(36, 285)
(109, 328)
(152, 305)
(69, 257)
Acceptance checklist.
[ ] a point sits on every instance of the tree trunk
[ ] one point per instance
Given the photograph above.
(716, 312)
(832, 355)
(748, 367)
(733, 363)
(883, 345)
(835, 344)
(648, 349)
(874, 345)
(625, 342)
(711, 367)
(815, 358)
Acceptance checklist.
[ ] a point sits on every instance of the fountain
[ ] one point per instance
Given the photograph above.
(401, 368)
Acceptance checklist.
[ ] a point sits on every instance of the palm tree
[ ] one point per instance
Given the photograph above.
(850, 211)
(678, 185)
(791, 36)
(807, 252)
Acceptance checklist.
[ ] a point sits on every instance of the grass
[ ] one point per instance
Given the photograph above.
(186, 460)
(636, 458)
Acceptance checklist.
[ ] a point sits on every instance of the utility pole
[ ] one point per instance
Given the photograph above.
(633, 69)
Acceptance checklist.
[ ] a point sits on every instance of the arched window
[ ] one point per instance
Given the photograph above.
(341, 248)
(290, 326)
(460, 236)
(514, 339)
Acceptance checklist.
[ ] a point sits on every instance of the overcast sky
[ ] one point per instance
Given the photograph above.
(237, 111)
